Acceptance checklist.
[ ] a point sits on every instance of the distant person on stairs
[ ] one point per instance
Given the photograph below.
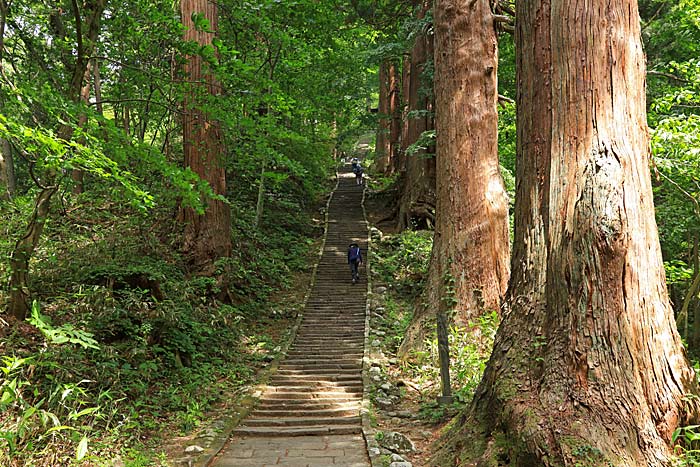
(358, 173)
(354, 260)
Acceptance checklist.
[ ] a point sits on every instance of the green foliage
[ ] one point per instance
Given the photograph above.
(424, 141)
(469, 351)
(63, 334)
(402, 260)
(686, 442)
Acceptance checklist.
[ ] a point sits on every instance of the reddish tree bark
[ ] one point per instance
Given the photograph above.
(469, 263)
(395, 112)
(587, 367)
(400, 160)
(207, 236)
(417, 203)
(383, 144)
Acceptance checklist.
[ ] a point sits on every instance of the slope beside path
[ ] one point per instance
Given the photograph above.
(309, 413)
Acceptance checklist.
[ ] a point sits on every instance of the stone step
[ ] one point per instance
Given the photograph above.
(339, 396)
(294, 412)
(313, 404)
(299, 430)
(319, 371)
(320, 366)
(321, 389)
(301, 421)
(333, 367)
(347, 354)
(278, 380)
(322, 346)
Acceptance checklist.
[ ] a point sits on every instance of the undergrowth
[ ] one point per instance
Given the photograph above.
(124, 348)
(401, 261)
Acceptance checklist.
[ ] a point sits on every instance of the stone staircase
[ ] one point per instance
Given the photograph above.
(317, 389)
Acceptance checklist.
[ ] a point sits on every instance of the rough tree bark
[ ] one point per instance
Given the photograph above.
(587, 367)
(207, 236)
(383, 144)
(417, 200)
(469, 269)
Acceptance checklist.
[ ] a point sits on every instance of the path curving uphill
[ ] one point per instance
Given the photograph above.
(309, 413)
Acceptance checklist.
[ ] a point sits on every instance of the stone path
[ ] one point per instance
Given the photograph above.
(309, 414)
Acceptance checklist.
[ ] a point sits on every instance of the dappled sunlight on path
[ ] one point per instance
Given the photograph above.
(309, 414)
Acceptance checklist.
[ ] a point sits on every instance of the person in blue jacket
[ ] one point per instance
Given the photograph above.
(354, 260)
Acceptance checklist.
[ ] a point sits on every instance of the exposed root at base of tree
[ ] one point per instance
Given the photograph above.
(524, 434)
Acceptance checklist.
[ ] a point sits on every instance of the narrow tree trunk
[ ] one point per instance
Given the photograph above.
(695, 341)
(7, 166)
(207, 236)
(469, 263)
(261, 197)
(20, 296)
(383, 144)
(77, 174)
(587, 366)
(98, 86)
(400, 161)
(395, 112)
(19, 304)
(418, 188)
(7, 170)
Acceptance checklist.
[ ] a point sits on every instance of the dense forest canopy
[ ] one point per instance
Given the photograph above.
(124, 124)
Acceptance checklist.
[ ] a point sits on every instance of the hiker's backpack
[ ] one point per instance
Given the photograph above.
(353, 252)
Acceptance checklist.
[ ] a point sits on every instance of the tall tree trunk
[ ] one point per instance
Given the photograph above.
(395, 112)
(7, 170)
(383, 144)
(207, 236)
(469, 270)
(259, 206)
(89, 17)
(417, 203)
(77, 174)
(7, 165)
(587, 367)
(695, 341)
(98, 86)
(400, 161)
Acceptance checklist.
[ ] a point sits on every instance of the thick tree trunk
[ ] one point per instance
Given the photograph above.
(383, 144)
(469, 268)
(207, 236)
(587, 367)
(418, 188)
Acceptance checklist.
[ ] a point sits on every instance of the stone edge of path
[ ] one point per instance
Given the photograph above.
(225, 425)
(368, 432)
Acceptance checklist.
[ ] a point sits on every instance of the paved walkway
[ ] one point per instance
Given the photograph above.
(309, 414)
